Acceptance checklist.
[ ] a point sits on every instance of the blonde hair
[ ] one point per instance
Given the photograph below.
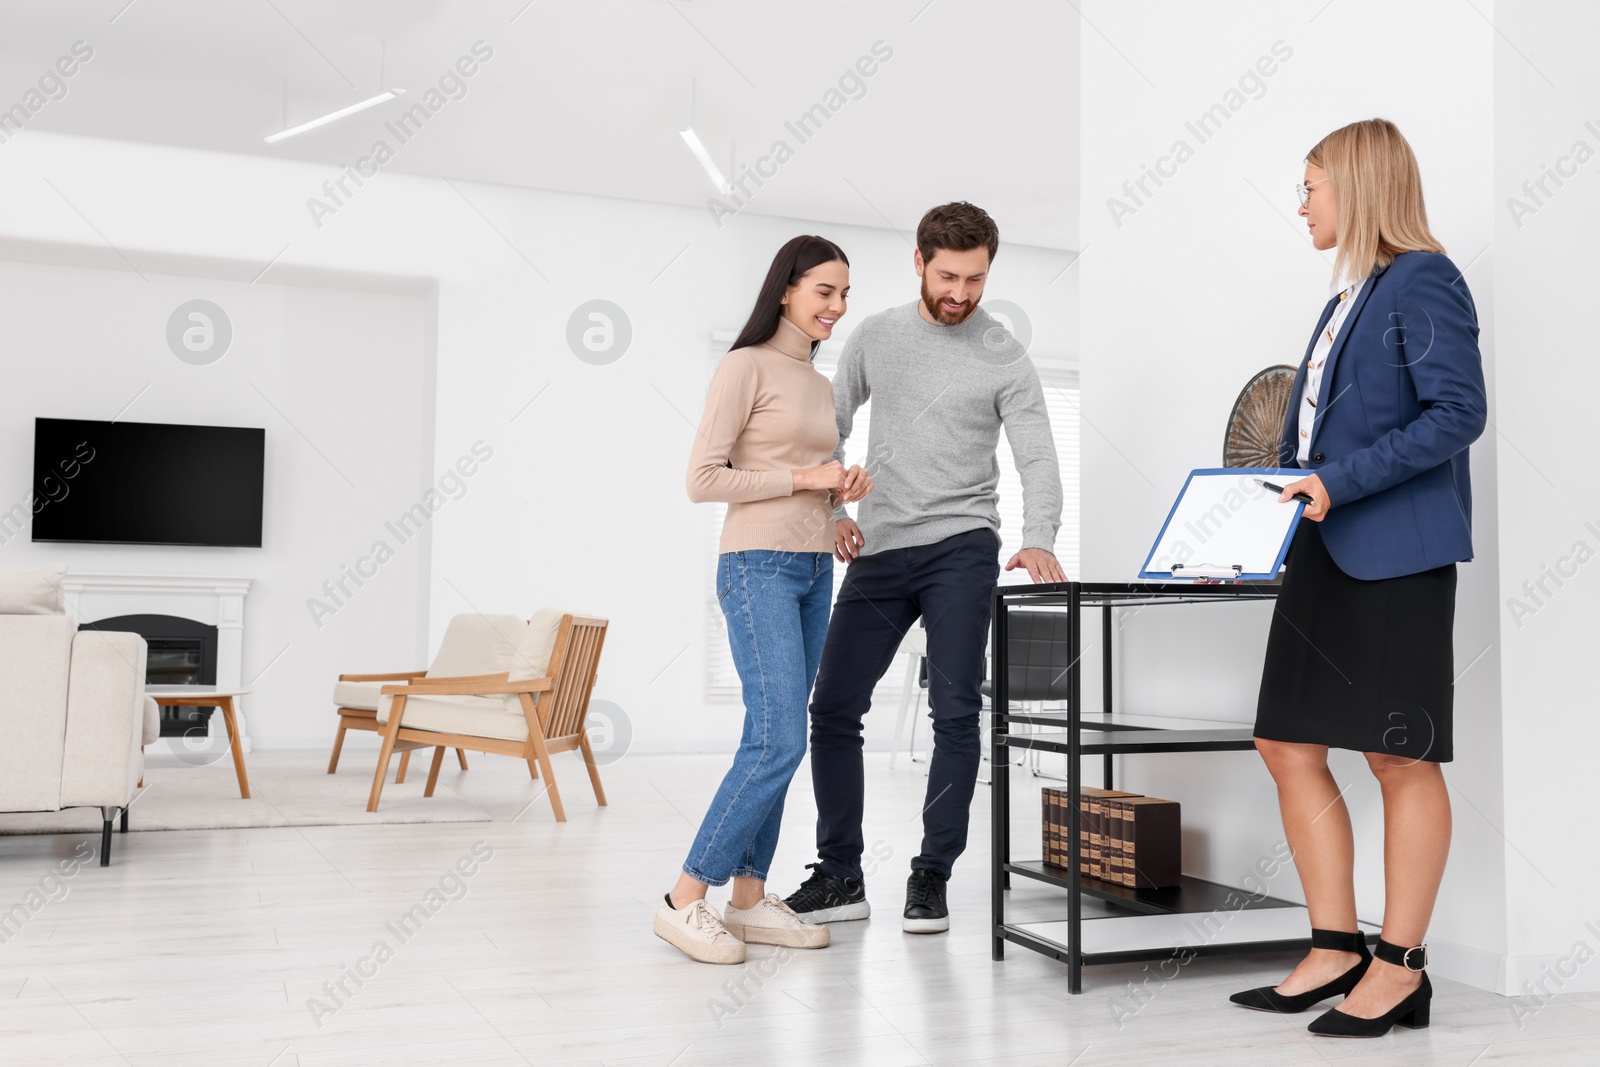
(1375, 178)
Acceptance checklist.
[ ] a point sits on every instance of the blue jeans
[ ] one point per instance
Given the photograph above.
(776, 605)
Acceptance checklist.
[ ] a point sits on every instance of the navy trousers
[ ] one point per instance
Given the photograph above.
(948, 585)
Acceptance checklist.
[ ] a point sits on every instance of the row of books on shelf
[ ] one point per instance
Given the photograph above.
(1126, 839)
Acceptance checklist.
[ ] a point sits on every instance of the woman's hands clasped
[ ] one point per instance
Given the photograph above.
(849, 485)
(857, 483)
(845, 486)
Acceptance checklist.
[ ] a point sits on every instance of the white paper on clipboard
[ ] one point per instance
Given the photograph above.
(1225, 524)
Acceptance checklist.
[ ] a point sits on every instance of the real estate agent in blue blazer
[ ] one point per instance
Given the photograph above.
(1360, 656)
(1393, 420)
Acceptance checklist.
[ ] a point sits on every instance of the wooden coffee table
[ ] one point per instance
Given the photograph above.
(169, 696)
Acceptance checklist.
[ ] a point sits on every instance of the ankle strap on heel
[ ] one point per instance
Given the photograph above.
(1339, 941)
(1412, 959)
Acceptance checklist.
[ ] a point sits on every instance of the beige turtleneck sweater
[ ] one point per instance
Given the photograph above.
(768, 414)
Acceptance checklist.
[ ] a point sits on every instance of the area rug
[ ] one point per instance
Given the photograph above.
(207, 798)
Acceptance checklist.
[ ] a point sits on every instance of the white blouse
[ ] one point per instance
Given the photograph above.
(1319, 356)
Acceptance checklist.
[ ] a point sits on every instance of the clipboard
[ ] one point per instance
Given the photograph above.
(1225, 525)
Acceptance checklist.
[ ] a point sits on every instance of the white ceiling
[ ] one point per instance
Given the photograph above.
(978, 102)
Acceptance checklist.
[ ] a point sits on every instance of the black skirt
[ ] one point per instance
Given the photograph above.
(1363, 665)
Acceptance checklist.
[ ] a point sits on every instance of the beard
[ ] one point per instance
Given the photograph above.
(942, 314)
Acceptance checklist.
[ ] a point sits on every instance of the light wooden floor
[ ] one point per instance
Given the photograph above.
(204, 947)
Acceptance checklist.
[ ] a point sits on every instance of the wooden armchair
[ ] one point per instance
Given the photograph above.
(366, 718)
(473, 644)
(515, 713)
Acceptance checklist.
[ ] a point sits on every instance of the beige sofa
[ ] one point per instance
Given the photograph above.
(73, 714)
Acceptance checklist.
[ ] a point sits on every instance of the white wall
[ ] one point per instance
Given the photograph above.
(1210, 279)
(583, 501)
(351, 371)
(1547, 100)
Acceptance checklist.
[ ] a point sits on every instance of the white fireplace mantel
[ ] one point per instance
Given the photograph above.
(215, 601)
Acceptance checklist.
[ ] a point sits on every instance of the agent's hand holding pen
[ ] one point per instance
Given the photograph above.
(1309, 491)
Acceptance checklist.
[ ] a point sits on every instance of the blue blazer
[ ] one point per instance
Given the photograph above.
(1402, 398)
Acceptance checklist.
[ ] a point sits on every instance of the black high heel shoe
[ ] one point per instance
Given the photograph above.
(1267, 998)
(1413, 1011)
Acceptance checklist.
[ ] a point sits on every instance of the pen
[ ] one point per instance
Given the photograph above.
(1304, 498)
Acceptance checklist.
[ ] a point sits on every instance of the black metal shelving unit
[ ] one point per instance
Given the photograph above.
(1149, 920)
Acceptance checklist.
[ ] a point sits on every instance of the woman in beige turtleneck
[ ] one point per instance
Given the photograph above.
(765, 447)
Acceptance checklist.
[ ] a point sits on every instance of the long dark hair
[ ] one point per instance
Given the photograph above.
(798, 255)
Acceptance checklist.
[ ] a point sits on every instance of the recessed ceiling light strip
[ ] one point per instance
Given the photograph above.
(387, 94)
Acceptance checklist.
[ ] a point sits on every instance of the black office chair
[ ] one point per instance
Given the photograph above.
(912, 691)
(1038, 653)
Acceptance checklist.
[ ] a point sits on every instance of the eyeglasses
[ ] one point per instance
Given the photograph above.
(1304, 191)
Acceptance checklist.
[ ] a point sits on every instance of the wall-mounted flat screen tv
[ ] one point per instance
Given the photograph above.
(143, 483)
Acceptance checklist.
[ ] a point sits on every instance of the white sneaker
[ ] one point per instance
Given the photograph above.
(772, 922)
(697, 932)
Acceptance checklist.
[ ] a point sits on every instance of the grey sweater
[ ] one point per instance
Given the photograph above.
(939, 397)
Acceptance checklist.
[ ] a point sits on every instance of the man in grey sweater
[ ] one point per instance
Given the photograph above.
(943, 377)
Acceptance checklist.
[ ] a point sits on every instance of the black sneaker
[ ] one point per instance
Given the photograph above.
(822, 898)
(925, 908)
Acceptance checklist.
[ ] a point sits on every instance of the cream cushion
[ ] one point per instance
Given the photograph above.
(152, 722)
(363, 696)
(498, 717)
(532, 659)
(478, 644)
(474, 716)
(473, 645)
(33, 590)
